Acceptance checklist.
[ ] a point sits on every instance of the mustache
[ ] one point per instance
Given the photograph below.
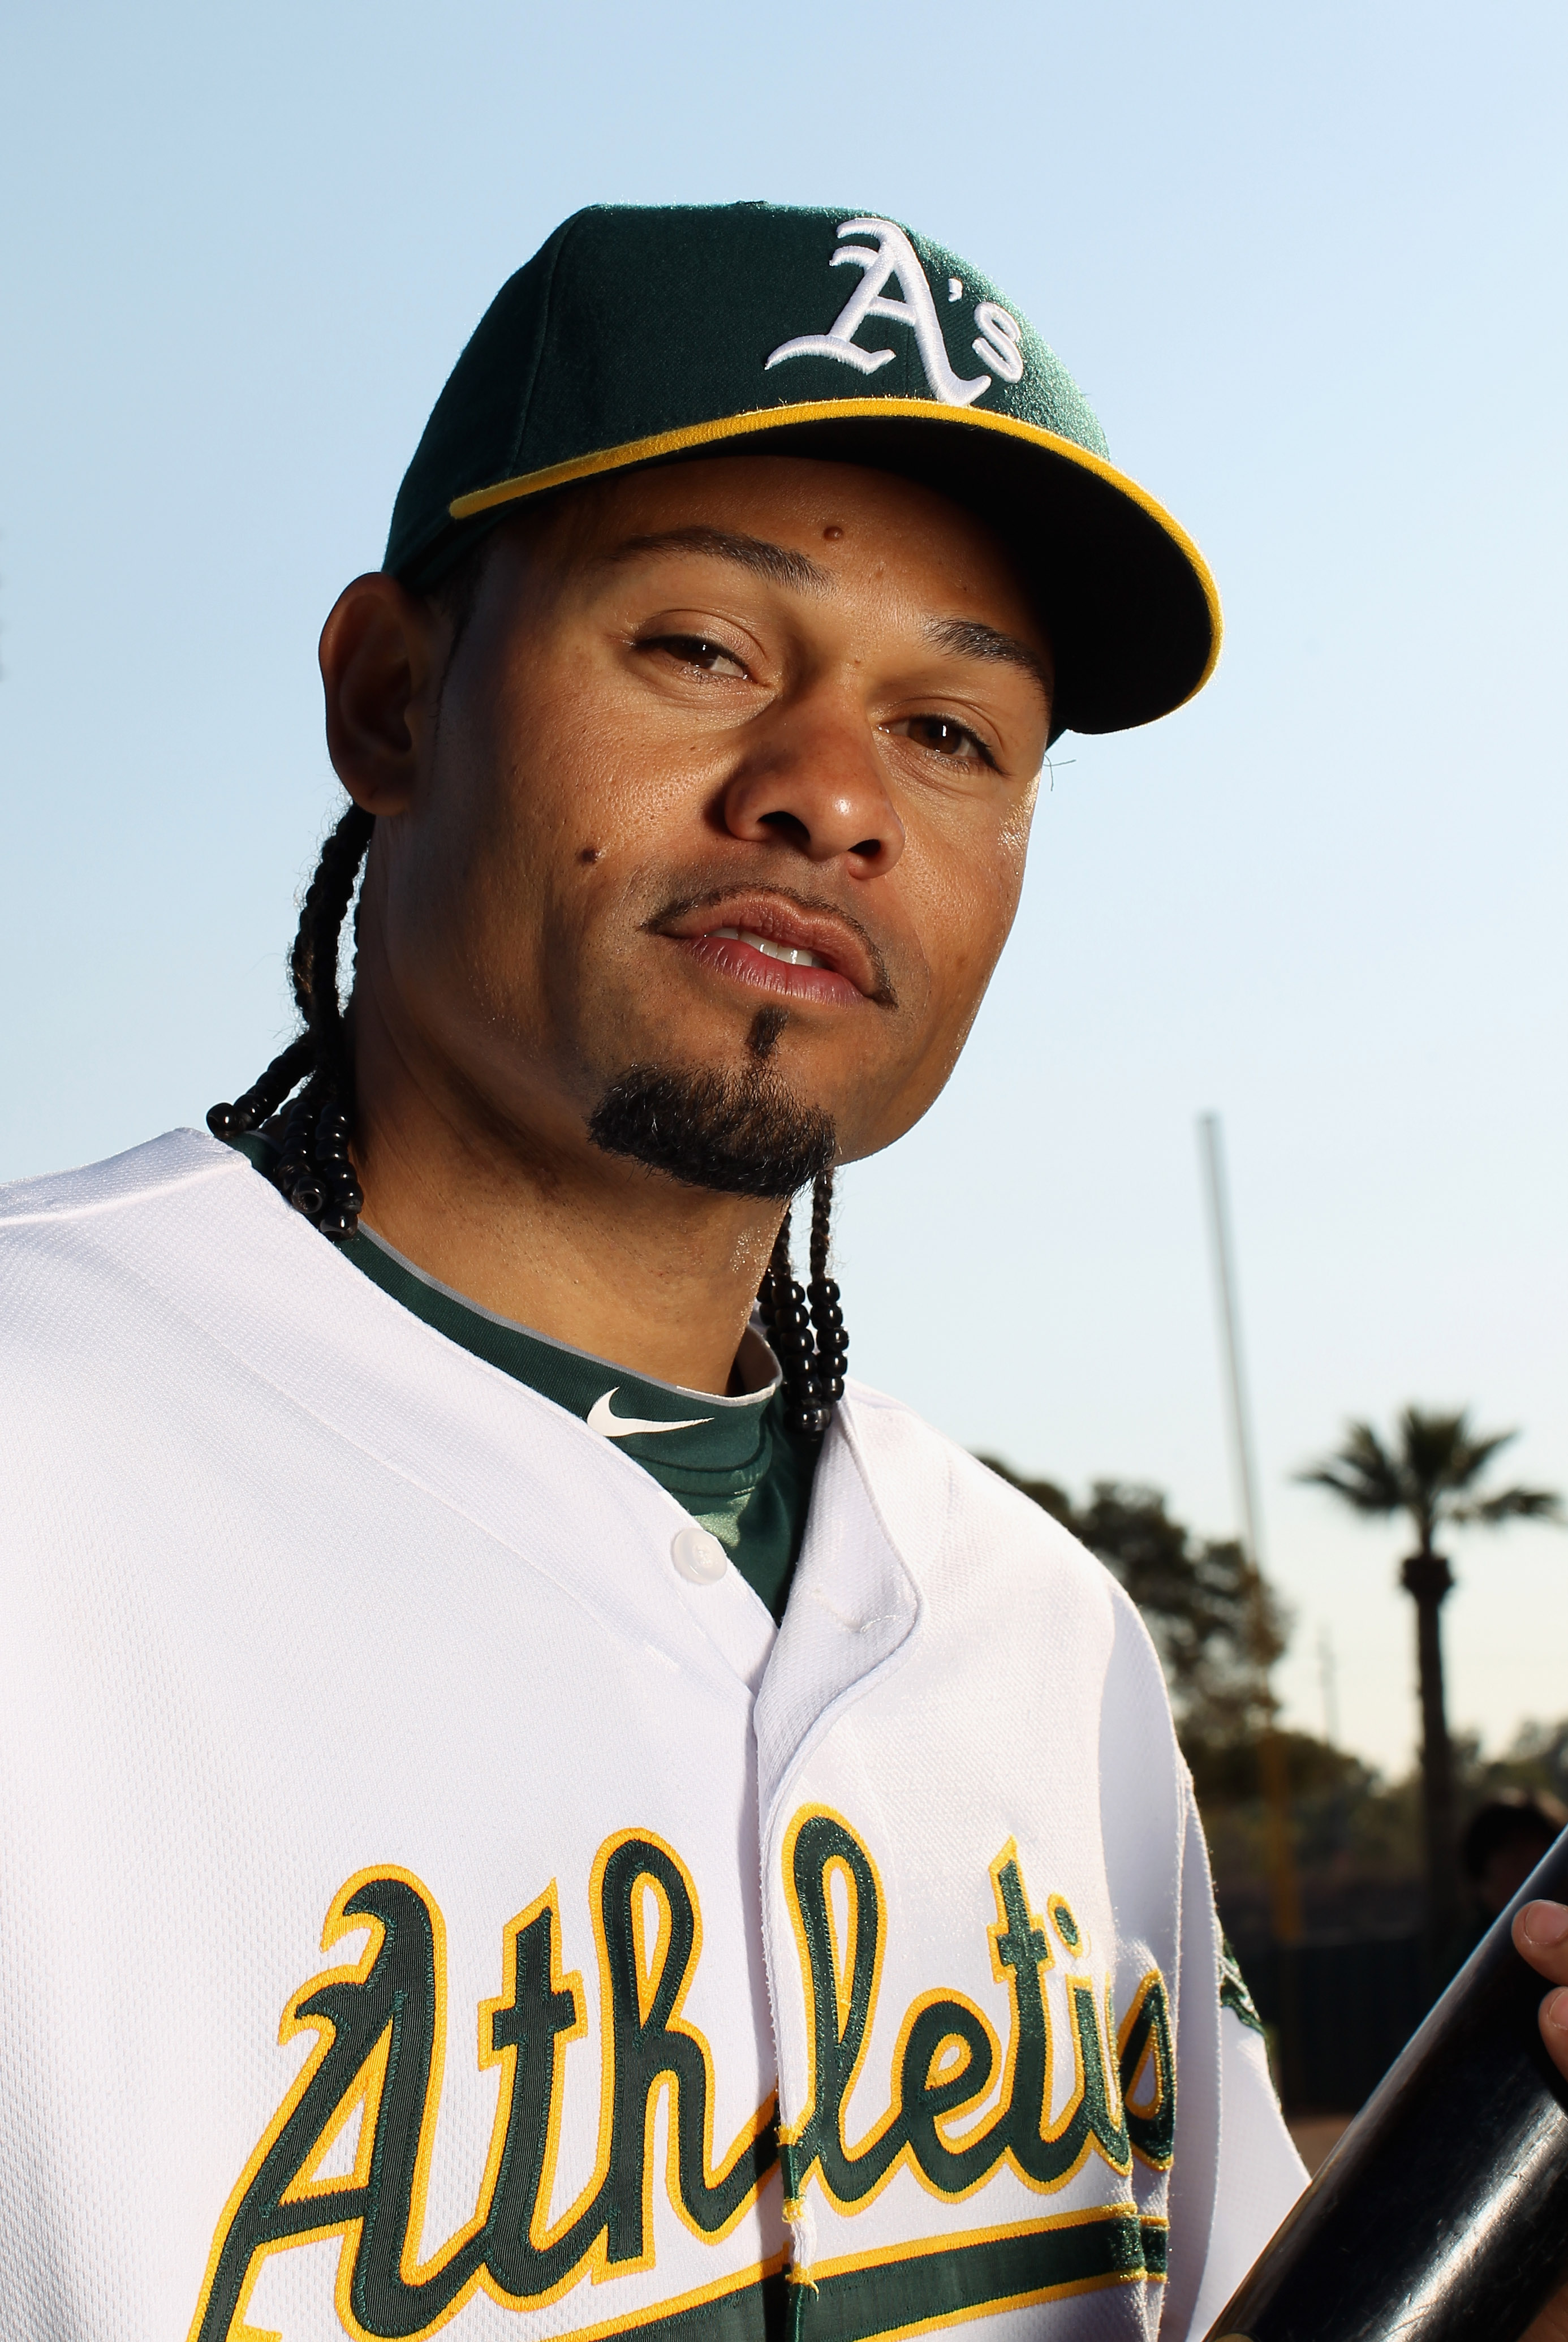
(680, 905)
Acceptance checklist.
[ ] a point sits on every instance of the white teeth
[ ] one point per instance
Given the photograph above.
(769, 949)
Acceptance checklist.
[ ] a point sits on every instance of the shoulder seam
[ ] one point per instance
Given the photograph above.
(57, 1214)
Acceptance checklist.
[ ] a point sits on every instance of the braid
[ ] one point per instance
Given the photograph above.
(314, 1169)
(811, 1344)
(265, 1094)
(826, 1315)
(313, 963)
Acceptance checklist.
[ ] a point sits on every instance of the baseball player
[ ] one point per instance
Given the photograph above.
(530, 1806)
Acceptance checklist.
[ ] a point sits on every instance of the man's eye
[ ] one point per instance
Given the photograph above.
(944, 737)
(695, 650)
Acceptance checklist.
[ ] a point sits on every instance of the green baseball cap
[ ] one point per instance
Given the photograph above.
(653, 335)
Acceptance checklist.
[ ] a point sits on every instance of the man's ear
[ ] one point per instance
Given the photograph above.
(381, 662)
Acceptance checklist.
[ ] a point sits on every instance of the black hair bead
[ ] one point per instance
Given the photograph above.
(264, 1095)
(806, 1325)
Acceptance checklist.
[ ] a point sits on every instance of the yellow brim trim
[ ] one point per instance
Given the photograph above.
(831, 410)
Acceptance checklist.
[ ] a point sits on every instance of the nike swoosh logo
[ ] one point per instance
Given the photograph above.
(610, 1426)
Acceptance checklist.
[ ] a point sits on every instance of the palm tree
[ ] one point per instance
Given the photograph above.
(1430, 1473)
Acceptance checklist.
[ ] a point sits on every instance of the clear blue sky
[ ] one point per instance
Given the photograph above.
(1306, 264)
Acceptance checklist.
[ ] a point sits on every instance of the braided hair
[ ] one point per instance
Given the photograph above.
(806, 1328)
(312, 1168)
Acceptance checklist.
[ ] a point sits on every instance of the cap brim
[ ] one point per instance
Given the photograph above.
(1132, 609)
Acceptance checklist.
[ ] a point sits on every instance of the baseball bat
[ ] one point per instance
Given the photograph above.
(1441, 2215)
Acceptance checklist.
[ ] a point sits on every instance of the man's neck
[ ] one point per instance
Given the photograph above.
(627, 1264)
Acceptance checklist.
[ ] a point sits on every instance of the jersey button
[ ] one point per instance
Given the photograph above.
(698, 1556)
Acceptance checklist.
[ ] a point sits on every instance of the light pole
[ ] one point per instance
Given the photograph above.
(1284, 1892)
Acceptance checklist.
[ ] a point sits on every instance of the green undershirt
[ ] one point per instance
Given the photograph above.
(738, 1470)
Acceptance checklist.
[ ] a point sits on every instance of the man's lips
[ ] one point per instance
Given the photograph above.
(781, 946)
(739, 956)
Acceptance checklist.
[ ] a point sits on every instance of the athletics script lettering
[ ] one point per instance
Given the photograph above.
(380, 2029)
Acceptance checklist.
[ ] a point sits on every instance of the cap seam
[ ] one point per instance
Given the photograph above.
(520, 424)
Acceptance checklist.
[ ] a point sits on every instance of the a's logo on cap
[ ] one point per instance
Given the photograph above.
(997, 341)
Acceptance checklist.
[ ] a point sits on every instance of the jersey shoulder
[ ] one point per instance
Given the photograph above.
(117, 1184)
(83, 1252)
(997, 1571)
(943, 1503)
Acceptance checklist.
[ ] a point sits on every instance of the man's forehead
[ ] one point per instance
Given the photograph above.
(781, 564)
(776, 498)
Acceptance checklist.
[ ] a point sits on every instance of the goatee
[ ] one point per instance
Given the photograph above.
(741, 1132)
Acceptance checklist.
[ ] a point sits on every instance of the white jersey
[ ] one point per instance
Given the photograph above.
(421, 1907)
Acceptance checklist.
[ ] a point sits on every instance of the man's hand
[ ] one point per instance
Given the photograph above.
(1540, 1935)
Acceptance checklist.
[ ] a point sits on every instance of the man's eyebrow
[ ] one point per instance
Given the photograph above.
(972, 638)
(776, 563)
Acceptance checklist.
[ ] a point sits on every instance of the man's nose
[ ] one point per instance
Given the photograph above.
(815, 781)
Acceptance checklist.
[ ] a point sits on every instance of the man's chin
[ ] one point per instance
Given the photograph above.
(736, 1131)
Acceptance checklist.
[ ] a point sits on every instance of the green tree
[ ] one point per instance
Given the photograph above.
(1430, 1472)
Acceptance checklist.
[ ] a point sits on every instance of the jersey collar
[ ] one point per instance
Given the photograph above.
(652, 1421)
